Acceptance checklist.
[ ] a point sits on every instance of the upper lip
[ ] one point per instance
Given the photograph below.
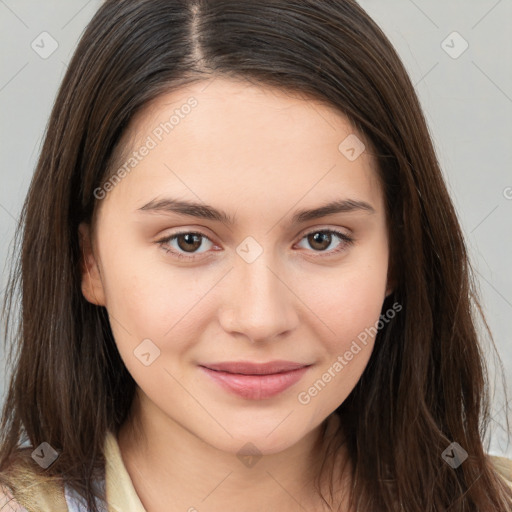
(251, 368)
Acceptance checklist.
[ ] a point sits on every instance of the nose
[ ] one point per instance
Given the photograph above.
(259, 302)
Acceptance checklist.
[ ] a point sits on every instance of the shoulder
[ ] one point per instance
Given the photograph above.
(503, 466)
(23, 489)
(43, 498)
(8, 503)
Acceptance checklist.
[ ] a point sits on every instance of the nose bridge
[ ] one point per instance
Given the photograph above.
(260, 305)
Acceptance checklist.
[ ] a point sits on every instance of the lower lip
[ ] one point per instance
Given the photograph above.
(256, 387)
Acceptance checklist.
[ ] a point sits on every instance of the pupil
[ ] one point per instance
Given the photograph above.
(193, 241)
(317, 239)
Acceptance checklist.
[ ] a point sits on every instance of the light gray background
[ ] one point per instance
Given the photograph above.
(467, 101)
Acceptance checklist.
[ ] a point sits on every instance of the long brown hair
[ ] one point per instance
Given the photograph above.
(425, 385)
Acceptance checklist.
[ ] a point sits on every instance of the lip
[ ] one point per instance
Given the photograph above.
(252, 368)
(266, 380)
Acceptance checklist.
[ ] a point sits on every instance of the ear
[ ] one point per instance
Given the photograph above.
(92, 286)
(390, 283)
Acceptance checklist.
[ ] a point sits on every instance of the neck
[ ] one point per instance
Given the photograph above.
(174, 470)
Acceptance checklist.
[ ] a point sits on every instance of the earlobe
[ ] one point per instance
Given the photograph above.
(390, 286)
(92, 286)
(390, 280)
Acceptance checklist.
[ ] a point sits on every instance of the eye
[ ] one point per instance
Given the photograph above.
(322, 239)
(187, 241)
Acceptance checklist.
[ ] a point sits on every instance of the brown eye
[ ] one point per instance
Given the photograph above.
(189, 241)
(184, 245)
(320, 240)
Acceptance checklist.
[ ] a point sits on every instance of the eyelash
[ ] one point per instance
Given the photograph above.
(348, 241)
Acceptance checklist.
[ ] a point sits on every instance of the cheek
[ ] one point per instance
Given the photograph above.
(147, 300)
(348, 303)
(150, 316)
(350, 307)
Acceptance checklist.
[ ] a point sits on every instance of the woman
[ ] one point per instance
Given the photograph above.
(244, 284)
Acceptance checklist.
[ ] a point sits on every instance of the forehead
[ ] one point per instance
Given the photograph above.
(238, 109)
(234, 136)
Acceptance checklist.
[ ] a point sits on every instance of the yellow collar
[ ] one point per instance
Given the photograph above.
(121, 495)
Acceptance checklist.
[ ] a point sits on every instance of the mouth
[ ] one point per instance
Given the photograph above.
(251, 368)
(254, 381)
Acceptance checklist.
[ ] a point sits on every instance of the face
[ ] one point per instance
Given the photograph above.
(256, 272)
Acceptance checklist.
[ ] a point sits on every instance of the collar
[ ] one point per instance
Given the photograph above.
(121, 495)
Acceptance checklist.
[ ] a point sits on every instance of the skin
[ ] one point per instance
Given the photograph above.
(259, 154)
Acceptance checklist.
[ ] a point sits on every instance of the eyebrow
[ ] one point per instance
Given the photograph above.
(204, 211)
